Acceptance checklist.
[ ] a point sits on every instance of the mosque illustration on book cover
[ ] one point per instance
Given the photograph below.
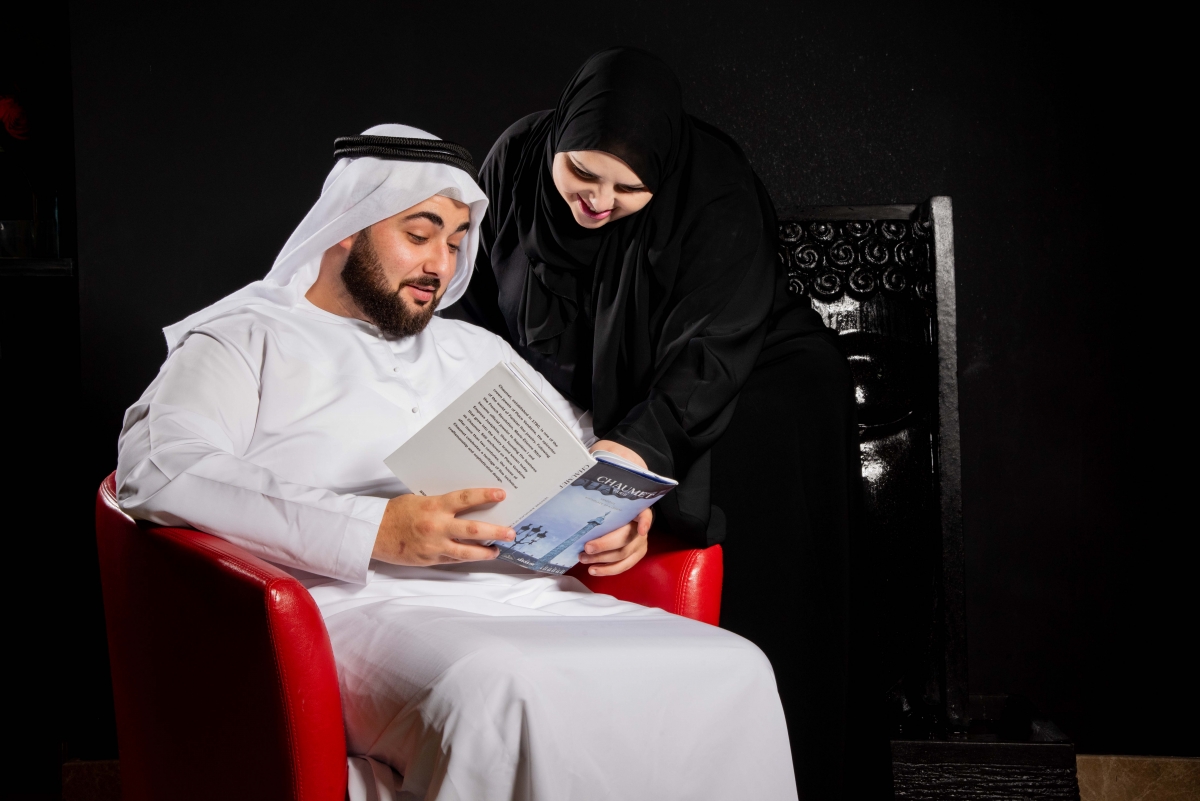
(604, 498)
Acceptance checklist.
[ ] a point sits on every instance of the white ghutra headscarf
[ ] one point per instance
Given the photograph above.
(358, 193)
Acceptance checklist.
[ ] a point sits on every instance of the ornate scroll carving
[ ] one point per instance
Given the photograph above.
(825, 259)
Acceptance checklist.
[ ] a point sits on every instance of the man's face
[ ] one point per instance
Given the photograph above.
(398, 269)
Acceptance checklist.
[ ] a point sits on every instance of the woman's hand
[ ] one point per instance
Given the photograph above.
(619, 550)
(619, 450)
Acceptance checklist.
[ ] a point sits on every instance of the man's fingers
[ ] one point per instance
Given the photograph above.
(475, 530)
(463, 552)
(455, 502)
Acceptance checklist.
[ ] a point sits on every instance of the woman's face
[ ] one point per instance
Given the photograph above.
(598, 187)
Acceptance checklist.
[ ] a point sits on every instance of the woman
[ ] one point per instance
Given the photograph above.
(629, 254)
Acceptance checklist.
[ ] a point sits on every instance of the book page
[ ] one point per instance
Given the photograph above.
(496, 434)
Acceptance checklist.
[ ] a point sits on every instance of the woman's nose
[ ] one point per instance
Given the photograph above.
(602, 199)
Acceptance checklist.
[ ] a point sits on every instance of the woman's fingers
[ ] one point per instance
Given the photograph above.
(636, 545)
(631, 544)
(609, 557)
(613, 540)
(618, 539)
(617, 567)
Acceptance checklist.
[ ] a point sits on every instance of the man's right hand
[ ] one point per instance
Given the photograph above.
(419, 530)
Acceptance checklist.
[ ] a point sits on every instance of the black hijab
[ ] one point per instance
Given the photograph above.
(653, 321)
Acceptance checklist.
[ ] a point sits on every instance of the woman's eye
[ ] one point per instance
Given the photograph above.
(586, 176)
(632, 190)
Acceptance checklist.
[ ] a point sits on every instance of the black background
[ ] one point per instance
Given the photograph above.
(203, 136)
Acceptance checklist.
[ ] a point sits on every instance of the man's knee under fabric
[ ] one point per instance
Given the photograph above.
(447, 687)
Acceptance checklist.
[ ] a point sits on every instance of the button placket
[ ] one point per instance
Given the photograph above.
(396, 370)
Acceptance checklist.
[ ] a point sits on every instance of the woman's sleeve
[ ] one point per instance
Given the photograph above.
(180, 464)
(480, 304)
(711, 337)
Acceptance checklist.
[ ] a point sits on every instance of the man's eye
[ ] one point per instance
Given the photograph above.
(453, 248)
(420, 240)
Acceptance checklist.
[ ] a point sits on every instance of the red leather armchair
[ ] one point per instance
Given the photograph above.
(223, 674)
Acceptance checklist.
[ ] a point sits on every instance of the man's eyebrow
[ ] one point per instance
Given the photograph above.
(463, 227)
(428, 215)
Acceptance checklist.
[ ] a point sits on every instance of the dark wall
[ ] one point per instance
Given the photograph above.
(45, 544)
(203, 137)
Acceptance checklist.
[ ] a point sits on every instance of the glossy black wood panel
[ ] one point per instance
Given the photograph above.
(872, 273)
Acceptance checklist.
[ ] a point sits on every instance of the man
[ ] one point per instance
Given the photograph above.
(474, 678)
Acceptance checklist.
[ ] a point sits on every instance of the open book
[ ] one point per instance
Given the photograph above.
(499, 433)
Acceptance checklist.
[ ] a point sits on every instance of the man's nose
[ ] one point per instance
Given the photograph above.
(442, 264)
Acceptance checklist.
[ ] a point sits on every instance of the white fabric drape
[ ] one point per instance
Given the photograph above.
(496, 685)
(368, 780)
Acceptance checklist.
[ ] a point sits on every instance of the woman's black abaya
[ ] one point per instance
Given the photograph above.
(655, 323)
(795, 425)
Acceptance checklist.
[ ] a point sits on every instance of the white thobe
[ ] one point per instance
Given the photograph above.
(268, 427)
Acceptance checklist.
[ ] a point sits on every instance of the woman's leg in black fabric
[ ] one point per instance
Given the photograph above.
(787, 476)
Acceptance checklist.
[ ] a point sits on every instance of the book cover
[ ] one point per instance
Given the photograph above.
(603, 499)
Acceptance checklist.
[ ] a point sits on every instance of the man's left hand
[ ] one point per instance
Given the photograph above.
(619, 550)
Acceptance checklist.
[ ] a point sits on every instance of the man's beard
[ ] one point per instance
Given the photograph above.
(365, 281)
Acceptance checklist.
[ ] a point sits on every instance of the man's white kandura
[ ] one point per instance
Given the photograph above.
(268, 425)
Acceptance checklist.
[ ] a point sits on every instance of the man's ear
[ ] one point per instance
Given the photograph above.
(348, 242)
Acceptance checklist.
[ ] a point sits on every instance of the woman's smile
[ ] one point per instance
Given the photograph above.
(590, 212)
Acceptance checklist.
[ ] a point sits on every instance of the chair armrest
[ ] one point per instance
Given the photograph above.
(682, 580)
(223, 674)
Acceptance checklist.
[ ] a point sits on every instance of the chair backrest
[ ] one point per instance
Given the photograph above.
(883, 278)
(223, 675)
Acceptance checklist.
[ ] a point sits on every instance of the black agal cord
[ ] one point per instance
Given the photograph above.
(398, 148)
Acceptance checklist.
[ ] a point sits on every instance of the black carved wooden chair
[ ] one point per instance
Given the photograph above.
(883, 278)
